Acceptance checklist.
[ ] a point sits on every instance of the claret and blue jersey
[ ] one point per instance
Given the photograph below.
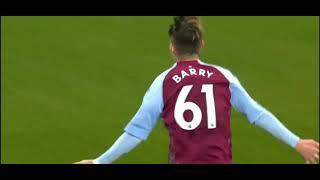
(194, 99)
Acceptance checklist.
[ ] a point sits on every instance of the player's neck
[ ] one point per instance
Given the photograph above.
(187, 58)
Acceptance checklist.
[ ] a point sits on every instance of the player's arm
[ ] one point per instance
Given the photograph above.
(123, 144)
(139, 127)
(261, 117)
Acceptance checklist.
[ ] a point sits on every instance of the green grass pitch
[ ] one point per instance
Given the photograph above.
(69, 85)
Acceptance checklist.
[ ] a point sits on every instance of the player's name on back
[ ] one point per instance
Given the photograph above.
(191, 72)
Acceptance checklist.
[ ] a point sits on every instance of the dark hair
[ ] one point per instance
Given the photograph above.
(186, 34)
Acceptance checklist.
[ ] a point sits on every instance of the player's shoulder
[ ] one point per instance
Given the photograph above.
(160, 78)
(166, 72)
(223, 70)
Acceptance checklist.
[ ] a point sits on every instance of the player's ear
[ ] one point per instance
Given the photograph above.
(202, 44)
(172, 48)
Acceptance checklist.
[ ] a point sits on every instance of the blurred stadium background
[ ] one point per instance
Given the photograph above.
(69, 85)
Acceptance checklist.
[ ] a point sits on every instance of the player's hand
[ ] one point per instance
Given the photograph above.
(90, 161)
(309, 150)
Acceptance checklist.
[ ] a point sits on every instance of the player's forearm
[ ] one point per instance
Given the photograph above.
(124, 144)
(271, 124)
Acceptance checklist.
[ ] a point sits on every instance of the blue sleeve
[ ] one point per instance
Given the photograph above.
(259, 116)
(271, 124)
(149, 112)
(124, 144)
(140, 125)
(243, 103)
(256, 114)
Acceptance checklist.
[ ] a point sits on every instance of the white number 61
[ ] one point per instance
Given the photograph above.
(181, 106)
